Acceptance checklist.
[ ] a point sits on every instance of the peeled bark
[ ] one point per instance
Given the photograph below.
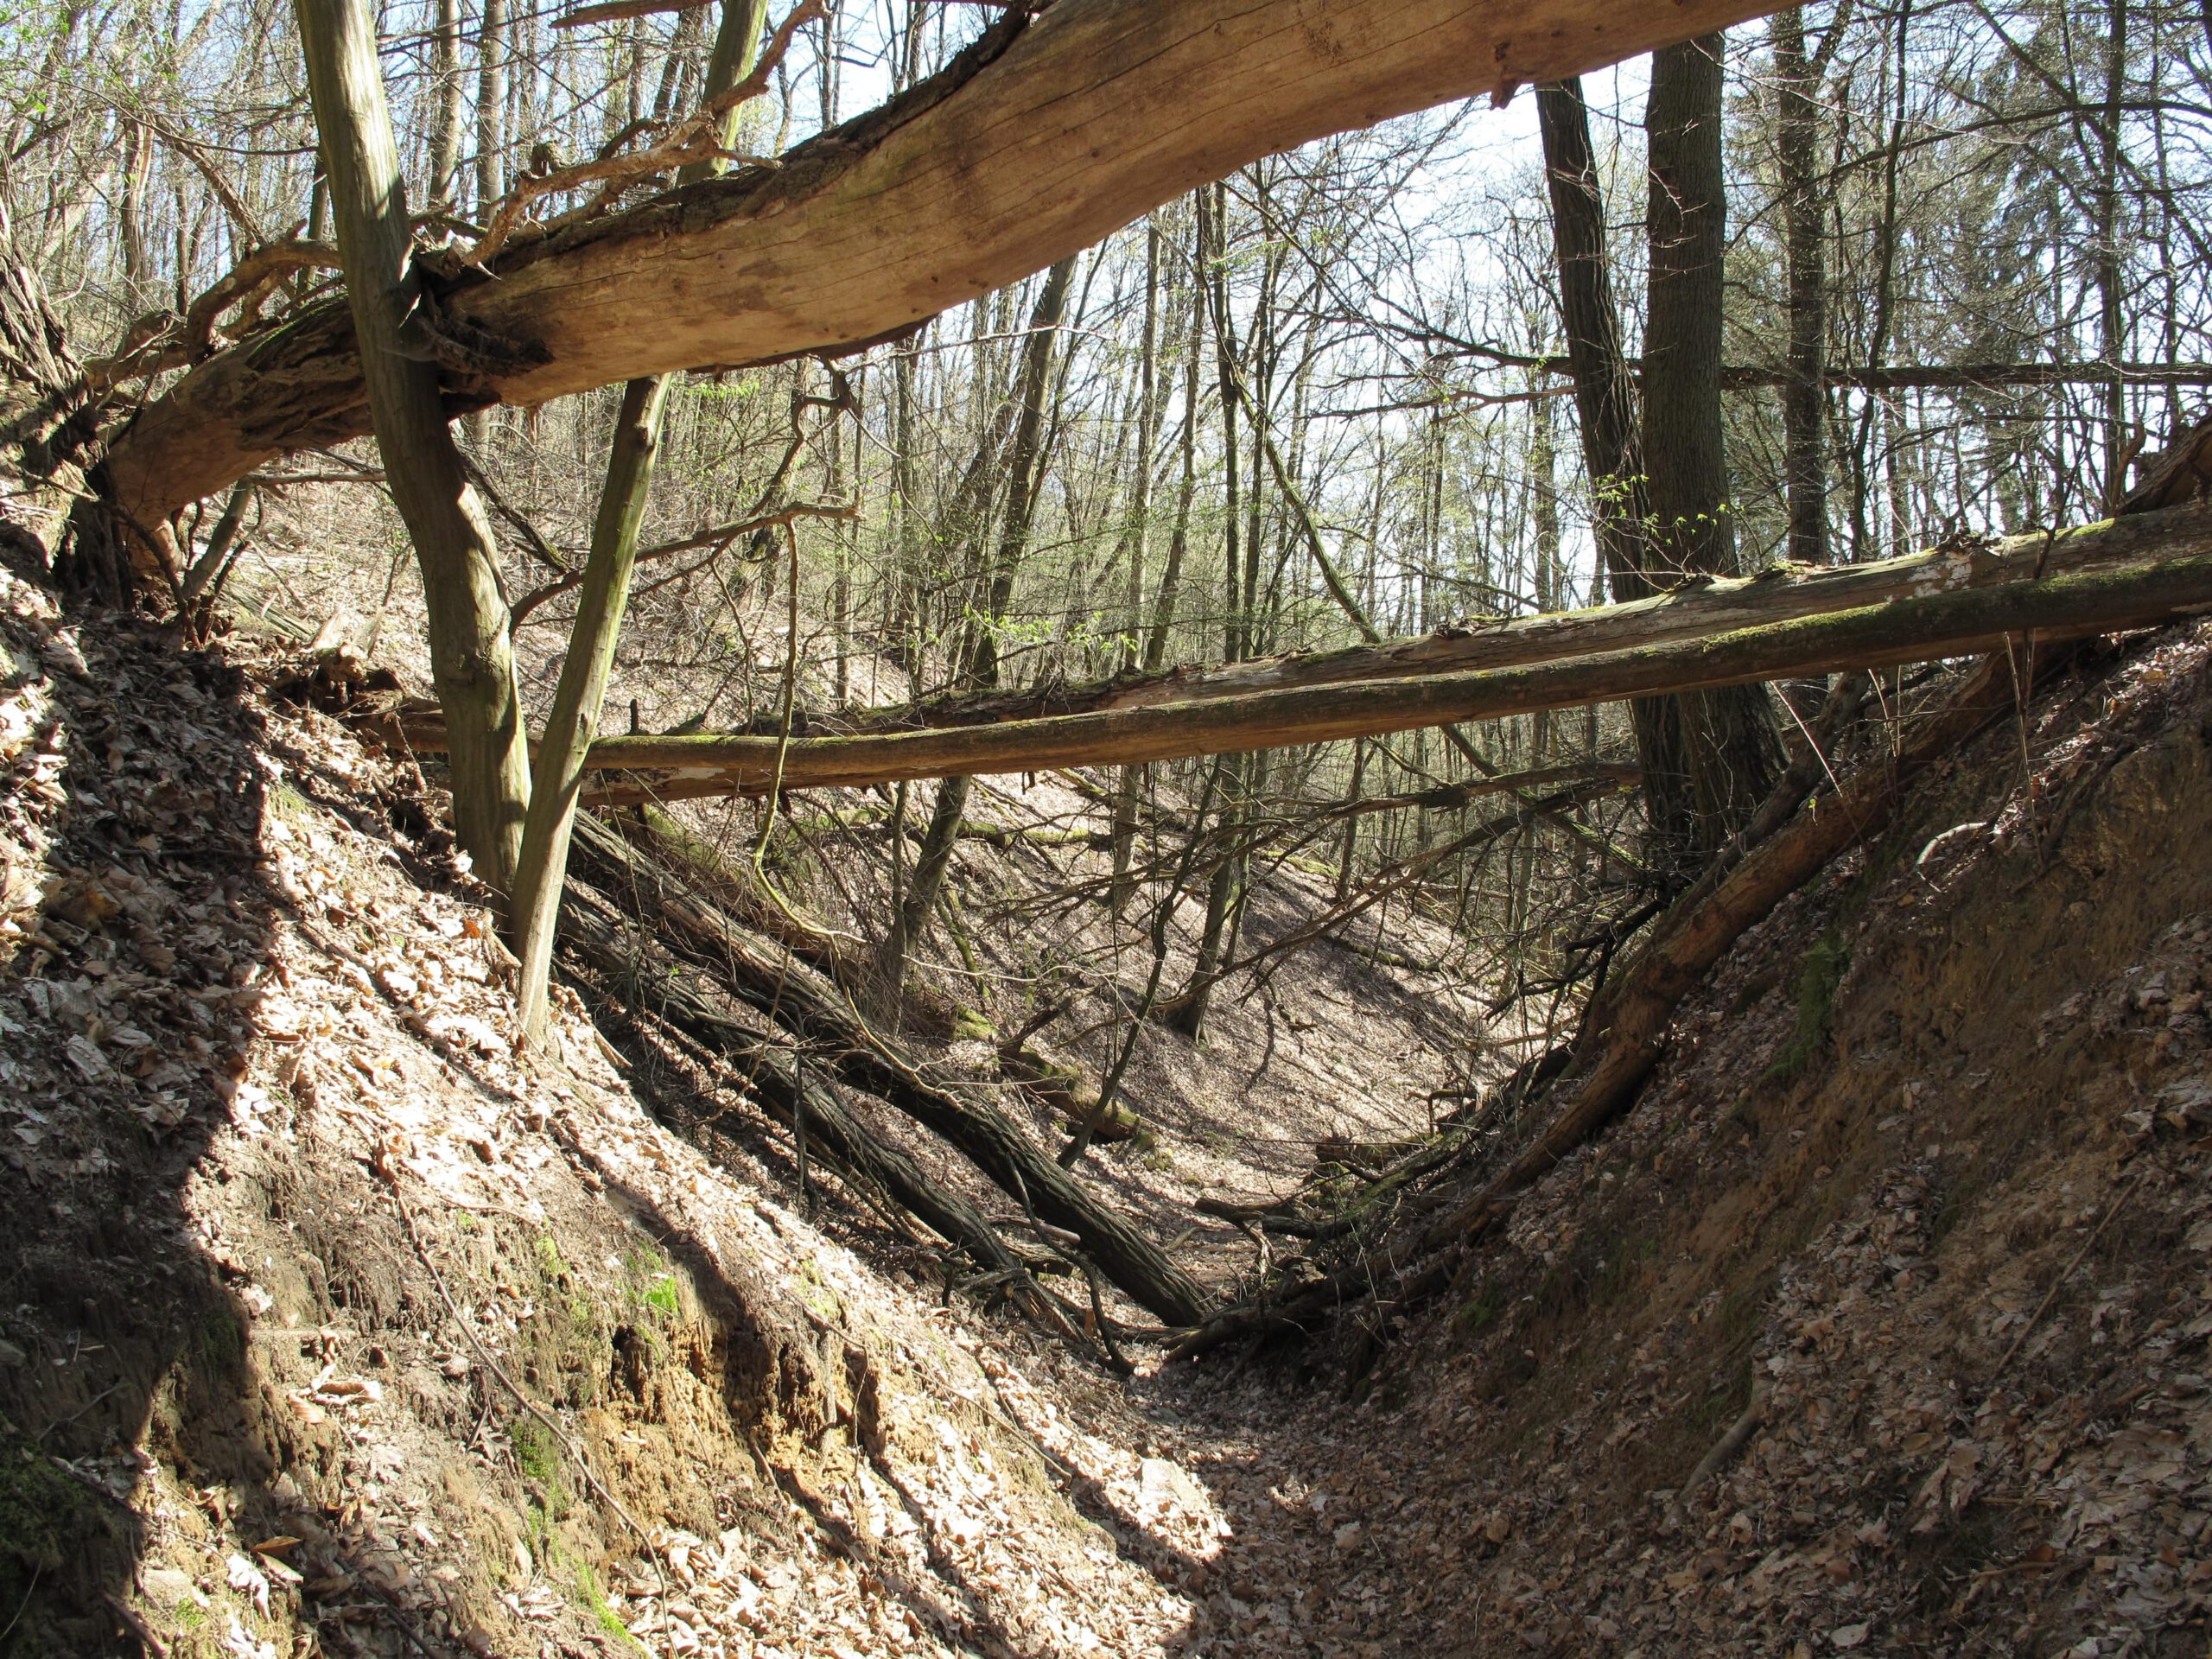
(1052, 131)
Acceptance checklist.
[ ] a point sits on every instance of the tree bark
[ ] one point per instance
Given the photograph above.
(1605, 403)
(1051, 131)
(2132, 573)
(811, 1008)
(491, 105)
(1730, 750)
(1805, 415)
(811, 1110)
(471, 657)
(445, 116)
(601, 603)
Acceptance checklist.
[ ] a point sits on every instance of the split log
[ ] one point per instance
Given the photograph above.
(802, 1002)
(1051, 131)
(2130, 573)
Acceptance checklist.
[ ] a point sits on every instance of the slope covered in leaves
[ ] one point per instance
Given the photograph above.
(330, 1329)
(1902, 1258)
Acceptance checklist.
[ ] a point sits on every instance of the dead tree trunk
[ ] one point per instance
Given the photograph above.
(2133, 572)
(470, 654)
(965, 184)
(812, 1008)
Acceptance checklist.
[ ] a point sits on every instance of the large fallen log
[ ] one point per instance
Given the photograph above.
(1054, 131)
(2132, 573)
(811, 1109)
(808, 1006)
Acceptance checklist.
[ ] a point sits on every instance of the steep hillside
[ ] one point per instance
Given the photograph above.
(331, 1329)
(1900, 1258)
(1878, 1323)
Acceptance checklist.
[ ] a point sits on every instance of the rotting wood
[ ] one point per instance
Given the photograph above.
(812, 1008)
(1051, 131)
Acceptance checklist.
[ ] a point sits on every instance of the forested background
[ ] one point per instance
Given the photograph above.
(1326, 399)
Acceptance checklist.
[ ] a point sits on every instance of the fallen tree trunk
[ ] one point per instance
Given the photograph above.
(1686, 615)
(802, 1002)
(1051, 131)
(811, 1111)
(1627, 1032)
(2132, 573)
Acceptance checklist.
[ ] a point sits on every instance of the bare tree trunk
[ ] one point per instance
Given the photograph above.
(600, 603)
(1135, 535)
(1178, 538)
(1024, 468)
(445, 117)
(1230, 771)
(490, 105)
(2112, 332)
(1604, 399)
(471, 657)
(1805, 466)
(2140, 572)
(130, 212)
(1730, 745)
(935, 856)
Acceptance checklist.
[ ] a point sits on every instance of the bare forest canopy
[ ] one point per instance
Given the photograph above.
(1045, 135)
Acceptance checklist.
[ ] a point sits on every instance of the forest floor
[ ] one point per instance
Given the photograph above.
(331, 1327)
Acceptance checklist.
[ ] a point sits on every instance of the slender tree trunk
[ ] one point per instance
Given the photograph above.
(1730, 746)
(1135, 535)
(2111, 330)
(1604, 400)
(1231, 771)
(1179, 537)
(1550, 579)
(490, 105)
(130, 212)
(600, 603)
(1024, 468)
(445, 117)
(1805, 466)
(935, 855)
(471, 657)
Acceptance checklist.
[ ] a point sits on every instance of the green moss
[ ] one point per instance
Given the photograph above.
(969, 1025)
(1825, 965)
(1479, 1312)
(594, 1602)
(45, 1517)
(538, 1454)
